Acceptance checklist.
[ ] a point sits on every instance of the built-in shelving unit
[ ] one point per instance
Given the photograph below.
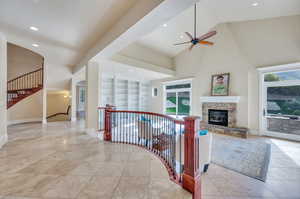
(125, 94)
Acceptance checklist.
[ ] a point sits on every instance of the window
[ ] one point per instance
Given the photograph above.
(154, 92)
(177, 101)
(82, 94)
(283, 100)
(283, 93)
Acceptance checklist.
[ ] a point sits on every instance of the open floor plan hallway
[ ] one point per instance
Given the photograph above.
(59, 160)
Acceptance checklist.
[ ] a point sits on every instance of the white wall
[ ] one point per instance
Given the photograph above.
(3, 91)
(239, 49)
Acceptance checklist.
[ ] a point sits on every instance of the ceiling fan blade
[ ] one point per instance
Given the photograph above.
(189, 35)
(182, 43)
(207, 35)
(192, 46)
(207, 43)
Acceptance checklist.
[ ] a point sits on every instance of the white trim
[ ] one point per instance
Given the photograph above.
(277, 68)
(3, 140)
(178, 81)
(220, 99)
(254, 132)
(13, 122)
(73, 119)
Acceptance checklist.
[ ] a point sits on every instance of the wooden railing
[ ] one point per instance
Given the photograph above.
(30, 80)
(57, 114)
(101, 115)
(161, 135)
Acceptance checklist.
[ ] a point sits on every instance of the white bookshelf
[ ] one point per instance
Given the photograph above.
(125, 94)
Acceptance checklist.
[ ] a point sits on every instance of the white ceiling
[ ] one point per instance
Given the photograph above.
(66, 27)
(211, 13)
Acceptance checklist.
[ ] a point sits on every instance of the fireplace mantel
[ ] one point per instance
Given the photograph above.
(220, 99)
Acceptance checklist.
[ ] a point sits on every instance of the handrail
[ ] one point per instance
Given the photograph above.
(150, 113)
(9, 81)
(33, 79)
(56, 114)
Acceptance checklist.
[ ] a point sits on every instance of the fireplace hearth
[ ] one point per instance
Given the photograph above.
(218, 117)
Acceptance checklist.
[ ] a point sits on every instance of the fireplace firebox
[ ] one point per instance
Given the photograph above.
(218, 117)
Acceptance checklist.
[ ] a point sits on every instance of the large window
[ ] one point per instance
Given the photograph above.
(283, 93)
(178, 99)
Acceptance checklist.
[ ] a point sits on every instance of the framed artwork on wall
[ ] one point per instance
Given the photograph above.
(220, 84)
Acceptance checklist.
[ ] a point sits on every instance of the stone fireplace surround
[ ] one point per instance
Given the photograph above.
(228, 103)
(230, 107)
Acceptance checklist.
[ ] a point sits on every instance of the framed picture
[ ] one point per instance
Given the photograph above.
(220, 84)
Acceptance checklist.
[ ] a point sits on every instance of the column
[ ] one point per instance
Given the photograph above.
(93, 96)
(3, 90)
(44, 93)
(74, 99)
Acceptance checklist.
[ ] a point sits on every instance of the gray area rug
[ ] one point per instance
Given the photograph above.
(248, 157)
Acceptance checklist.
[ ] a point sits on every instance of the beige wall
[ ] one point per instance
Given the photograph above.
(29, 109)
(21, 60)
(58, 103)
(3, 74)
(239, 49)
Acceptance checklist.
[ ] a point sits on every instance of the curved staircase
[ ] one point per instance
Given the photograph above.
(24, 86)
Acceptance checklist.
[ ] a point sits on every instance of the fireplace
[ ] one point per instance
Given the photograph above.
(218, 117)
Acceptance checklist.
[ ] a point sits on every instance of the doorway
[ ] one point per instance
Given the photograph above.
(280, 103)
(177, 101)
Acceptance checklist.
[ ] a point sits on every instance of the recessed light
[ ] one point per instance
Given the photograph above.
(255, 4)
(35, 45)
(165, 25)
(181, 36)
(34, 28)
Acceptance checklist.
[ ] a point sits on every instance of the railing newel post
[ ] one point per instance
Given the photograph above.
(107, 124)
(191, 175)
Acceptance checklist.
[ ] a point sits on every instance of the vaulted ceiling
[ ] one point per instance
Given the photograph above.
(213, 12)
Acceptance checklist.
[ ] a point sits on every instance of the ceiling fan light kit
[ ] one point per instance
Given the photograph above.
(194, 40)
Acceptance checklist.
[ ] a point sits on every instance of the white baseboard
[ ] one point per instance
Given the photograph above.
(254, 132)
(94, 133)
(3, 140)
(13, 122)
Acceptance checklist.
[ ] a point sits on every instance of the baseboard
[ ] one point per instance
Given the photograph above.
(94, 133)
(3, 140)
(13, 122)
(254, 132)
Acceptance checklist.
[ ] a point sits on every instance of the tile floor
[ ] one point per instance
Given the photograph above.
(59, 161)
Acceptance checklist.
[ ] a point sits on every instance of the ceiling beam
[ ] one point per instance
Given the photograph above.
(144, 17)
(141, 64)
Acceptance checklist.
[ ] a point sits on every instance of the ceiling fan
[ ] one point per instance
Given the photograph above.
(200, 40)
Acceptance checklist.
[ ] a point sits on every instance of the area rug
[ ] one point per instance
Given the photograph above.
(246, 156)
